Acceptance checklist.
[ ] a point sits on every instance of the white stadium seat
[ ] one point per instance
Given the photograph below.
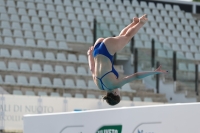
(15, 53)
(81, 71)
(12, 66)
(22, 80)
(27, 54)
(9, 79)
(59, 69)
(34, 81)
(57, 82)
(17, 92)
(48, 68)
(2, 65)
(45, 82)
(69, 83)
(70, 70)
(78, 95)
(24, 67)
(80, 84)
(29, 93)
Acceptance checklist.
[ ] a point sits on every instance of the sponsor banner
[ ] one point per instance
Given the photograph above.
(171, 118)
(12, 108)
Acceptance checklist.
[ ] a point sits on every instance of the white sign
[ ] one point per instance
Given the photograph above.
(176, 118)
(12, 108)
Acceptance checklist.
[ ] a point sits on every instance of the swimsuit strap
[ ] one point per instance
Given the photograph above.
(102, 84)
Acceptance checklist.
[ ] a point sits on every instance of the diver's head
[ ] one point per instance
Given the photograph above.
(112, 98)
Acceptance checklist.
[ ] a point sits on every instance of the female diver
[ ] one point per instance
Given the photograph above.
(100, 59)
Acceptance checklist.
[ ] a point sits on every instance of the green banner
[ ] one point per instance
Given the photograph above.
(110, 129)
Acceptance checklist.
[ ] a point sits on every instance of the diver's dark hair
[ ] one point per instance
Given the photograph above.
(111, 99)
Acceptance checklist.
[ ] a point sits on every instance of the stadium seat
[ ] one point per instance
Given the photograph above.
(55, 22)
(137, 99)
(197, 56)
(5, 24)
(180, 27)
(194, 49)
(175, 47)
(1, 80)
(38, 55)
(16, 25)
(85, 4)
(160, 6)
(57, 82)
(27, 54)
(34, 81)
(8, 41)
(22, 80)
(191, 67)
(17, 92)
(61, 57)
(91, 96)
(26, 26)
(72, 58)
(15, 53)
(152, 5)
(189, 56)
(44, 19)
(31, 5)
(143, 4)
(9, 79)
(148, 99)
(25, 19)
(39, 35)
(125, 98)
(22, 11)
(47, 28)
(67, 95)
(82, 58)
(2, 65)
(38, 27)
(161, 53)
(12, 66)
(40, 93)
(69, 83)
(57, 29)
(11, 10)
(80, 84)
(30, 43)
(189, 41)
(49, 56)
(185, 48)
(182, 66)
(78, 95)
(92, 85)
(63, 45)
(59, 69)
(34, 20)
(24, 67)
(54, 94)
(81, 71)
(135, 3)
(180, 55)
(45, 82)
(47, 68)
(176, 8)
(6, 17)
(70, 70)
(29, 93)
(32, 12)
(168, 7)
(52, 14)
(52, 45)
(70, 38)
(172, 40)
(6, 32)
(36, 68)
